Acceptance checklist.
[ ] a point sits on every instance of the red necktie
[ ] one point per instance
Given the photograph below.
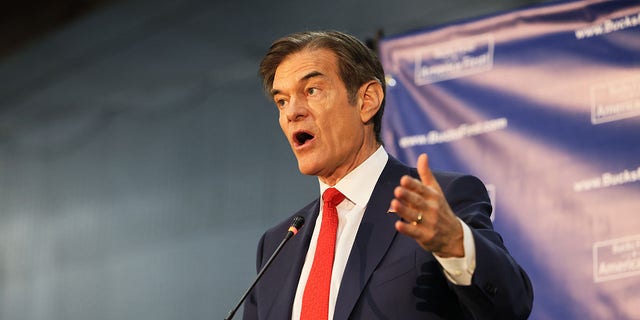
(315, 301)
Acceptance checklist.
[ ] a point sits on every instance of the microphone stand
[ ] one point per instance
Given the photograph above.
(297, 223)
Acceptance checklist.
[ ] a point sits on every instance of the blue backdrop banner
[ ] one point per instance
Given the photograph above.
(543, 104)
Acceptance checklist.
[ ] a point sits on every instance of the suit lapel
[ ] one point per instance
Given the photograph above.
(375, 235)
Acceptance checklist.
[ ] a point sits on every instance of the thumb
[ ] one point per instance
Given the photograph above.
(425, 172)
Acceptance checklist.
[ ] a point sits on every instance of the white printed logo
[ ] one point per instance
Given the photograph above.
(462, 131)
(454, 59)
(608, 26)
(615, 100)
(608, 179)
(616, 258)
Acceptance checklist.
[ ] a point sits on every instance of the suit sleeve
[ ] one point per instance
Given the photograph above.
(500, 288)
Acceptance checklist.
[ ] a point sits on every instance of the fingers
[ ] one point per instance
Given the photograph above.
(427, 185)
(409, 224)
(422, 200)
(409, 203)
(410, 230)
(417, 198)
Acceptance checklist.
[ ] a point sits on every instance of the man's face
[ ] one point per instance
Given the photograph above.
(326, 133)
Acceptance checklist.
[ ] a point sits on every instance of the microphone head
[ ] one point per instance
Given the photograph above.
(298, 222)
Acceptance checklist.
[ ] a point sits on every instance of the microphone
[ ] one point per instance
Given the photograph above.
(296, 224)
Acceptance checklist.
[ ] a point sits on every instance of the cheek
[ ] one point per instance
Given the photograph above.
(282, 120)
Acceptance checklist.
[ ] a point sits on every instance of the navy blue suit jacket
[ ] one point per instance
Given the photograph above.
(388, 275)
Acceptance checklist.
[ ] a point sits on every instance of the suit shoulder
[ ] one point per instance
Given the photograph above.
(441, 176)
(446, 178)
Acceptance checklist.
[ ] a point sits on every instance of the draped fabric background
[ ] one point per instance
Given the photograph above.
(543, 104)
(140, 161)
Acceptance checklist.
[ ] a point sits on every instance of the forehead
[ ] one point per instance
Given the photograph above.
(296, 67)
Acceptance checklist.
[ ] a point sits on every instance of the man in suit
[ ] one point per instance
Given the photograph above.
(407, 243)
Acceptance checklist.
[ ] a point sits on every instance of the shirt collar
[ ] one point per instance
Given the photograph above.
(358, 184)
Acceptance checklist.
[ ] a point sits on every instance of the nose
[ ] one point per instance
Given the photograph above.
(296, 109)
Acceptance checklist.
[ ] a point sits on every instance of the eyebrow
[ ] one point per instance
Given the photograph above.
(308, 76)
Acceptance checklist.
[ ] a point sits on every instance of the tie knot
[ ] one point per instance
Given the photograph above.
(332, 197)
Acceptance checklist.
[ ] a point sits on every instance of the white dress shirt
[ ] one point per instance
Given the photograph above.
(357, 187)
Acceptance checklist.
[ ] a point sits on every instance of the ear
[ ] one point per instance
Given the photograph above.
(370, 96)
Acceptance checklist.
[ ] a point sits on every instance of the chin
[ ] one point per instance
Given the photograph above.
(307, 168)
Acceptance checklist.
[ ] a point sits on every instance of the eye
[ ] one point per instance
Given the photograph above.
(312, 91)
(280, 103)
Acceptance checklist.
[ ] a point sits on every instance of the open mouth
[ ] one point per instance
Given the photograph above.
(300, 138)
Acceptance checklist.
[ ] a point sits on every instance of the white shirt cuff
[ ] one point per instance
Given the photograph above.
(460, 270)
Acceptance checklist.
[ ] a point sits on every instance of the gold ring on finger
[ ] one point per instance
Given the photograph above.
(418, 219)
